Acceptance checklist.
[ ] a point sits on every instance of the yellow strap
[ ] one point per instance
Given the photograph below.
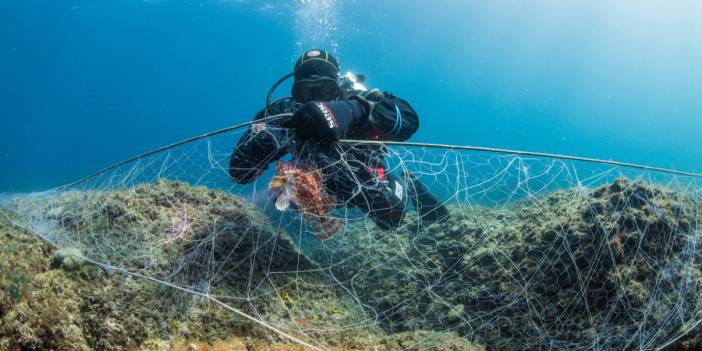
(318, 58)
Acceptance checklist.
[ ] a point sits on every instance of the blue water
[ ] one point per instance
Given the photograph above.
(84, 84)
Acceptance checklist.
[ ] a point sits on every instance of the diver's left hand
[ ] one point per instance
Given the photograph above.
(325, 121)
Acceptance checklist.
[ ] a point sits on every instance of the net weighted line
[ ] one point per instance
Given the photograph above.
(370, 142)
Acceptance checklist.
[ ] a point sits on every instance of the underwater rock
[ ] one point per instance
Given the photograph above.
(598, 267)
(67, 259)
(170, 231)
(576, 267)
(155, 228)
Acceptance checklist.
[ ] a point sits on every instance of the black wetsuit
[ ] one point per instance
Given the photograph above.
(355, 175)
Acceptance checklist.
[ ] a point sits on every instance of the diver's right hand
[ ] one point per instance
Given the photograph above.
(325, 121)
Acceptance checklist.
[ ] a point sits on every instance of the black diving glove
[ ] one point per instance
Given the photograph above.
(326, 121)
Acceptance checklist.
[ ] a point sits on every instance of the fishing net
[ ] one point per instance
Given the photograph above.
(537, 252)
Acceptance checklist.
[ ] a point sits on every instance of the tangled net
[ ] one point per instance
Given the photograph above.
(538, 253)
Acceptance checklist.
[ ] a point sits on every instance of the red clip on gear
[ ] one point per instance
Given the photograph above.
(378, 171)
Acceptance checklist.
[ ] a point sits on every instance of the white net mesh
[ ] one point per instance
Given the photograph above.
(537, 252)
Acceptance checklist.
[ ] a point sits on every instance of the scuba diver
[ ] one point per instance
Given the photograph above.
(325, 107)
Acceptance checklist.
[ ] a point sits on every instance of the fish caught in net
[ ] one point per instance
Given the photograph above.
(304, 187)
(531, 253)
